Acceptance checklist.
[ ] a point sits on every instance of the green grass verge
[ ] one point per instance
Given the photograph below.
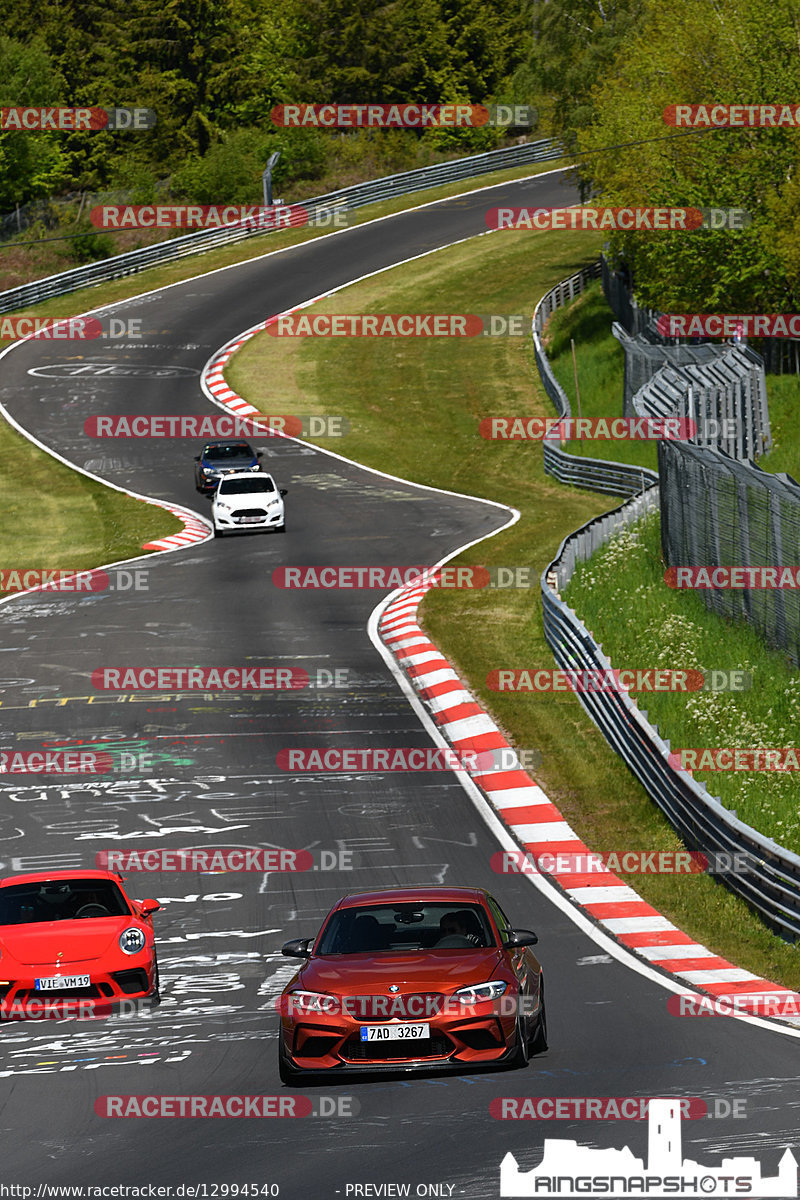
(414, 407)
(783, 394)
(64, 521)
(57, 519)
(656, 626)
(601, 366)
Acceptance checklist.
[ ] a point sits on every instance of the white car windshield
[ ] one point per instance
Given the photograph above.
(245, 485)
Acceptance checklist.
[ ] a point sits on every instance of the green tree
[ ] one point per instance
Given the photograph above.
(31, 164)
(724, 52)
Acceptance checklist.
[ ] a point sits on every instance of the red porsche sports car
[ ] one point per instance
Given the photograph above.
(412, 978)
(73, 944)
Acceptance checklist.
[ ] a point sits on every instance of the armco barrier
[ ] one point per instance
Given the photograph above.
(771, 883)
(613, 478)
(208, 239)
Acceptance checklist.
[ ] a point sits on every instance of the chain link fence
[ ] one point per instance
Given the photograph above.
(781, 355)
(726, 396)
(716, 512)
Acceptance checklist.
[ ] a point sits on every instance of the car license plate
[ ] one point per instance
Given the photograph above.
(250, 520)
(393, 1033)
(53, 983)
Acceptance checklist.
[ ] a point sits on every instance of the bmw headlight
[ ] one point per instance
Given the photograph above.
(479, 992)
(311, 1002)
(132, 940)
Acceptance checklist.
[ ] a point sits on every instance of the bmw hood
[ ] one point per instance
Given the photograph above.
(431, 971)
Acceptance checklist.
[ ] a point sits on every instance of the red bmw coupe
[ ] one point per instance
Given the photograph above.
(73, 944)
(410, 979)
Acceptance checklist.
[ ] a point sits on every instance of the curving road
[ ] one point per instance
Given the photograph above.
(214, 782)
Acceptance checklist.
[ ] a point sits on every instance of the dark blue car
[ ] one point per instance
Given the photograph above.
(220, 458)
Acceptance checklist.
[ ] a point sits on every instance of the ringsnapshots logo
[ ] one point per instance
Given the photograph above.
(402, 116)
(628, 220)
(570, 1170)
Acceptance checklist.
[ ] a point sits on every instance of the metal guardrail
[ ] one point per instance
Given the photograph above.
(613, 478)
(770, 880)
(356, 196)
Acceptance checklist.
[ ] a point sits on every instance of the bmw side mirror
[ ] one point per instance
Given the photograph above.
(259, 453)
(197, 458)
(520, 937)
(283, 491)
(149, 906)
(297, 948)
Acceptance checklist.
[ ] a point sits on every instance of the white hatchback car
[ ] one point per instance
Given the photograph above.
(246, 502)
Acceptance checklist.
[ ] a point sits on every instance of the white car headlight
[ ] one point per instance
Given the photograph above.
(223, 507)
(479, 992)
(311, 1002)
(132, 940)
